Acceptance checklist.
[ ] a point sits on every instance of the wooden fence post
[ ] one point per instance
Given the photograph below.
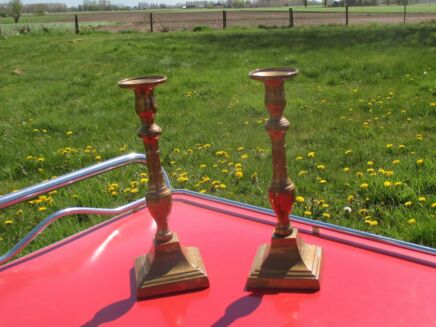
(151, 22)
(305, 3)
(291, 18)
(224, 19)
(346, 15)
(404, 17)
(76, 24)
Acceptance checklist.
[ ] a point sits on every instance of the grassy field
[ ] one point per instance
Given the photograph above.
(362, 113)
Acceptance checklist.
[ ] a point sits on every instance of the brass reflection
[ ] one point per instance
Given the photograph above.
(168, 267)
(287, 262)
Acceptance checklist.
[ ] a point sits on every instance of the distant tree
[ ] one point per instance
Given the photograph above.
(15, 9)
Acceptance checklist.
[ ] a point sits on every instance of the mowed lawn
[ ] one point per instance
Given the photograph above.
(361, 147)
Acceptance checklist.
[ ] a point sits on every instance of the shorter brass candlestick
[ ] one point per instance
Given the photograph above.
(288, 262)
(168, 267)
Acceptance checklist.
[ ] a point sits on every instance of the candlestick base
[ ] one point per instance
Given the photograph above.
(169, 268)
(286, 263)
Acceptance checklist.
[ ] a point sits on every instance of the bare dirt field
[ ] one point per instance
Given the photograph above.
(173, 21)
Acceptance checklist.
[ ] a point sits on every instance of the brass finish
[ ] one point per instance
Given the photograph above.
(168, 268)
(288, 262)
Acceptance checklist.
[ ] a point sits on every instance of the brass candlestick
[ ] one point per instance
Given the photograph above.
(288, 262)
(168, 267)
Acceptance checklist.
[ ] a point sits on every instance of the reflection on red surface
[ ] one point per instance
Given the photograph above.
(88, 279)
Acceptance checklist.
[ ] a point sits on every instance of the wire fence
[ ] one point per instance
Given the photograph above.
(165, 22)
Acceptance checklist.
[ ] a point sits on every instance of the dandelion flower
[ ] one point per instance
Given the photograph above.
(307, 213)
(387, 184)
(359, 174)
(134, 190)
(311, 154)
(411, 221)
(371, 222)
(241, 148)
(326, 215)
(239, 174)
(398, 183)
(370, 163)
(299, 199)
(223, 186)
(98, 158)
(346, 169)
(203, 191)
(348, 152)
(396, 162)
(350, 198)
(422, 199)
(433, 205)
(298, 158)
(42, 209)
(364, 186)
(8, 222)
(322, 181)
(69, 133)
(390, 145)
(408, 204)
(320, 167)
(420, 162)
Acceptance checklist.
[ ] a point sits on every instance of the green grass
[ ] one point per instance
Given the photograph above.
(359, 89)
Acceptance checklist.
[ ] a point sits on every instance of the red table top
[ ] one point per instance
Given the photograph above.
(88, 279)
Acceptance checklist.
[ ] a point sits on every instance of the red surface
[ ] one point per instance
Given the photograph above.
(88, 279)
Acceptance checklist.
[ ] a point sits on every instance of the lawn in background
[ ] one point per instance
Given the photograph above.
(362, 114)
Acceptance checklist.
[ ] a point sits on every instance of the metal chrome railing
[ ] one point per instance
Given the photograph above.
(65, 180)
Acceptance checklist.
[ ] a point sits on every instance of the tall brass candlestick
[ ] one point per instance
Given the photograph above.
(169, 267)
(288, 262)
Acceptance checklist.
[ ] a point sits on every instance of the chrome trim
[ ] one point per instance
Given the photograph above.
(132, 206)
(76, 176)
(65, 180)
(314, 223)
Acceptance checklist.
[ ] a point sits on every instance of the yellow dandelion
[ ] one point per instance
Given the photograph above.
(348, 152)
(320, 167)
(238, 166)
(433, 205)
(69, 133)
(144, 180)
(98, 158)
(29, 157)
(299, 199)
(346, 169)
(350, 198)
(326, 215)
(239, 174)
(114, 193)
(223, 186)
(364, 186)
(308, 213)
(8, 222)
(390, 145)
(176, 150)
(311, 154)
(322, 181)
(408, 204)
(203, 166)
(224, 171)
(241, 148)
(387, 184)
(370, 163)
(398, 183)
(244, 156)
(203, 191)
(363, 212)
(371, 222)
(422, 199)
(42, 209)
(411, 221)
(396, 162)
(359, 174)
(298, 158)
(325, 205)
(303, 172)
(134, 190)
(420, 162)
(389, 173)
(402, 146)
